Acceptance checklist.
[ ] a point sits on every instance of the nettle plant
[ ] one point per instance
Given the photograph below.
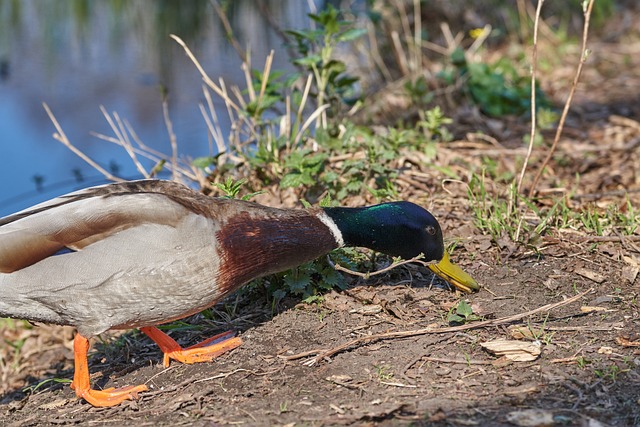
(290, 128)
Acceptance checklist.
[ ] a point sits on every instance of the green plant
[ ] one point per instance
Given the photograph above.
(498, 88)
(582, 362)
(493, 214)
(33, 388)
(591, 220)
(317, 48)
(311, 279)
(231, 189)
(419, 91)
(303, 168)
(462, 313)
(626, 218)
(433, 122)
(383, 372)
(611, 372)
(539, 334)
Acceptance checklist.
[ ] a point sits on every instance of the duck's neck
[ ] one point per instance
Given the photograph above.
(255, 244)
(370, 227)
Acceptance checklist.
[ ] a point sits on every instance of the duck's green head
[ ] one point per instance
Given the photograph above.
(400, 229)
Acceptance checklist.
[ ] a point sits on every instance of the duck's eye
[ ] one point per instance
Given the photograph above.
(431, 230)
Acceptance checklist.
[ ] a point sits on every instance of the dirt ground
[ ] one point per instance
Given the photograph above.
(587, 372)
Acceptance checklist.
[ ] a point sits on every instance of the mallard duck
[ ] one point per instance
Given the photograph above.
(141, 253)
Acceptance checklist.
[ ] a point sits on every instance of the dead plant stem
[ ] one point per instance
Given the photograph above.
(584, 53)
(534, 71)
(172, 137)
(229, 30)
(62, 137)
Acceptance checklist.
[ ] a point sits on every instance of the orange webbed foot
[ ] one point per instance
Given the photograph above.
(82, 385)
(204, 351)
(110, 396)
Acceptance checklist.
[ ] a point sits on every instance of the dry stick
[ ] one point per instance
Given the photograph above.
(172, 137)
(368, 274)
(211, 120)
(456, 361)
(62, 137)
(424, 331)
(247, 79)
(583, 58)
(144, 151)
(417, 36)
(303, 102)
(513, 197)
(375, 53)
(120, 132)
(228, 30)
(587, 239)
(265, 76)
(309, 122)
(217, 89)
(534, 70)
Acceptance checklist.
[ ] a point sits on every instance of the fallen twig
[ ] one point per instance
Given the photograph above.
(424, 331)
(301, 355)
(456, 361)
(368, 274)
(590, 239)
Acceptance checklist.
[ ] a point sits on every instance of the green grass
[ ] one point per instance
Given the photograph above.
(506, 213)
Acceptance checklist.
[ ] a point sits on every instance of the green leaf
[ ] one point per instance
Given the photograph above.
(308, 61)
(354, 186)
(302, 34)
(351, 34)
(279, 294)
(464, 309)
(326, 201)
(454, 318)
(203, 162)
(331, 277)
(297, 281)
(292, 179)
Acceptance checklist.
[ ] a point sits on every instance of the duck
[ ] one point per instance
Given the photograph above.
(138, 254)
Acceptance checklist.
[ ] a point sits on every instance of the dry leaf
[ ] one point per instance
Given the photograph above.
(517, 351)
(590, 274)
(531, 418)
(625, 342)
(631, 261)
(592, 309)
(630, 273)
(339, 379)
(521, 332)
(523, 389)
(605, 350)
(368, 310)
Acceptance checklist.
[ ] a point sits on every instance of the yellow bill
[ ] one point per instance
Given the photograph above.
(454, 274)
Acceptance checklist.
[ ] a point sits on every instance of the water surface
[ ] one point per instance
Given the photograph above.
(77, 55)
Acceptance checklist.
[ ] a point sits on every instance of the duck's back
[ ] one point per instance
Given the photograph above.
(120, 255)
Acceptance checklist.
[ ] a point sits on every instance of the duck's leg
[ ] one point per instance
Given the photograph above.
(205, 351)
(82, 386)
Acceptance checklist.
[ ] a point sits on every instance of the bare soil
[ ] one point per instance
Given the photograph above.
(589, 368)
(587, 374)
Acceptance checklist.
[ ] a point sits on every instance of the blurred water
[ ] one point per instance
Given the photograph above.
(76, 55)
